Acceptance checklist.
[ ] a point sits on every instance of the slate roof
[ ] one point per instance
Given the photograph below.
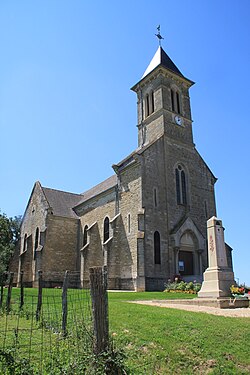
(62, 202)
(98, 189)
(161, 58)
(130, 157)
(127, 159)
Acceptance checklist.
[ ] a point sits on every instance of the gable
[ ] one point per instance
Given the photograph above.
(186, 226)
(36, 198)
(214, 179)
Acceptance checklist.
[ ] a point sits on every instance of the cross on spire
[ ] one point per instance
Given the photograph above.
(158, 35)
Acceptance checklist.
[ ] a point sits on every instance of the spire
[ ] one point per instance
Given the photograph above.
(161, 58)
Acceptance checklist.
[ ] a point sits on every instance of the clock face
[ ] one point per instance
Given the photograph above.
(178, 120)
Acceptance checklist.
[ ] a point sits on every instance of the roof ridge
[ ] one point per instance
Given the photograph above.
(100, 183)
(61, 191)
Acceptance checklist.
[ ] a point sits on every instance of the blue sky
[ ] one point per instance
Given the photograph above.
(67, 113)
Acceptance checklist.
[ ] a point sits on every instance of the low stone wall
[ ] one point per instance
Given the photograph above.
(221, 303)
(155, 284)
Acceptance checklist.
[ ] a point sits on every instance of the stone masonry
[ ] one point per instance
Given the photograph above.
(147, 222)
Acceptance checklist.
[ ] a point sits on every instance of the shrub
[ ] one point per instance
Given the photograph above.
(182, 286)
(190, 286)
(11, 363)
(197, 287)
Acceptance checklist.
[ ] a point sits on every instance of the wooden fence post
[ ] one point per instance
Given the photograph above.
(65, 303)
(9, 292)
(21, 291)
(99, 296)
(40, 291)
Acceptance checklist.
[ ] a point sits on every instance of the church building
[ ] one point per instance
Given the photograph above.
(147, 222)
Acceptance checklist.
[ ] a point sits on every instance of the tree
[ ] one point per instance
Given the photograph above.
(15, 224)
(9, 236)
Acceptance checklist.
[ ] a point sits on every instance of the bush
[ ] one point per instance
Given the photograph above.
(182, 286)
(197, 287)
(190, 286)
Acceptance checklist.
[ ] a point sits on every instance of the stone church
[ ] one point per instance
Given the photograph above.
(147, 222)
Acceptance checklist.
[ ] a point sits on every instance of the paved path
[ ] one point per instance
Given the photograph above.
(236, 313)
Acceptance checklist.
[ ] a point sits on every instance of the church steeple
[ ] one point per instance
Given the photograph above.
(163, 102)
(161, 58)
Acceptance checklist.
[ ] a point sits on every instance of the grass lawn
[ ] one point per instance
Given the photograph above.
(155, 340)
(169, 341)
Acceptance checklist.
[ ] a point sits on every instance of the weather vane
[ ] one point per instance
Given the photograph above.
(159, 35)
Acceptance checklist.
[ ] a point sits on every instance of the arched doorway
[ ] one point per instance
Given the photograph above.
(188, 246)
(186, 261)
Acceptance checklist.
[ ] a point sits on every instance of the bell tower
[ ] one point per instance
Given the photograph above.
(163, 103)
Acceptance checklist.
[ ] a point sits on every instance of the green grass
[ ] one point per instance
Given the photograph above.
(147, 296)
(155, 340)
(170, 341)
(41, 343)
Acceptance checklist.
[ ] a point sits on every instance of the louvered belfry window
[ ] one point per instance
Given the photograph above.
(175, 101)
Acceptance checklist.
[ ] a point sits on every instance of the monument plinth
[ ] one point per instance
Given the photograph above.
(218, 277)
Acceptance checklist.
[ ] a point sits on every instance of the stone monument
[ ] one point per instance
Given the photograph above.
(218, 277)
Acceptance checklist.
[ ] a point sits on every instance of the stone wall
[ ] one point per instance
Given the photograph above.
(130, 206)
(60, 252)
(92, 214)
(57, 245)
(119, 252)
(200, 185)
(200, 189)
(154, 201)
(158, 176)
(34, 217)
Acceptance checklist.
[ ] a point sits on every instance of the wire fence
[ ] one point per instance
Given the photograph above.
(45, 330)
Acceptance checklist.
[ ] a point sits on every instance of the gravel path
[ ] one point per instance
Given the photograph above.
(236, 313)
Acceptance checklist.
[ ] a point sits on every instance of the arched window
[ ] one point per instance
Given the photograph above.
(181, 186)
(147, 106)
(129, 223)
(106, 229)
(157, 247)
(85, 235)
(175, 101)
(178, 189)
(25, 243)
(37, 239)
